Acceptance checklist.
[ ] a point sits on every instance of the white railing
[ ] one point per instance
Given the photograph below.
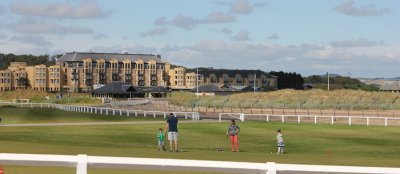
(130, 102)
(82, 162)
(106, 111)
(350, 120)
(238, 116)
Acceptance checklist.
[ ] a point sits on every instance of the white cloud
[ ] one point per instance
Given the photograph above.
(31, 26)
(241, 36)
(273, 37)
(33, 40)
(3, 36)
(188, 23)
(134, 48)
(259, 4)
(348, 8)
(1, 10)
(226, 30)
(241, 7)
(99, 36)
(361, 42)
(85, 9)
(154, 32)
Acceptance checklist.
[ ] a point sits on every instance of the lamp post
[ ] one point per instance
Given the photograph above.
(197, 82)
(328, 79)
(254, 82)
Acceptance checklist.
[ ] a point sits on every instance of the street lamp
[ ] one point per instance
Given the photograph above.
(197, 82)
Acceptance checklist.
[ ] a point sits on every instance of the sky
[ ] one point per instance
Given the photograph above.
(357, 38)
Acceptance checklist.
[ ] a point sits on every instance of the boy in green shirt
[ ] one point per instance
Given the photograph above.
(160, 138)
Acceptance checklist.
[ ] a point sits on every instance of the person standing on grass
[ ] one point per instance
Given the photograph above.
(172, 129)
(233, 133)
(160, 138)
(281, 144)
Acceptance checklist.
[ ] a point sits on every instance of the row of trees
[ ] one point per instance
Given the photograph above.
(292, 80)
(339, 82)
(289, 80)
(5, 59)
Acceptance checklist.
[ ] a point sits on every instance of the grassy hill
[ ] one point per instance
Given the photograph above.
(40, 96)
(311, 99)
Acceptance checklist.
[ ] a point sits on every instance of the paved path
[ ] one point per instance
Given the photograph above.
(101, 123)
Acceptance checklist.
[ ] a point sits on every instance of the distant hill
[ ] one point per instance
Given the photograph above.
(330, 75)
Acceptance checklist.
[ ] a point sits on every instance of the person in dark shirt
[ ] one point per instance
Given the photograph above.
(172, 129)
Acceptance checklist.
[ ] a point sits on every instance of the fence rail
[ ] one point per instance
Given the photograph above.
(83, 162)
(106, 111)
(350, 120)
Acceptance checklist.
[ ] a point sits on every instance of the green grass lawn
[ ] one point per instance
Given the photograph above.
(44, 115)
(306, 143)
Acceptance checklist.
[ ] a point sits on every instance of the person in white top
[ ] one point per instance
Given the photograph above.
(281, 144)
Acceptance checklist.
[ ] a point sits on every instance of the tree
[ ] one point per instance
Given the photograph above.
(288, 80)
(22, 81)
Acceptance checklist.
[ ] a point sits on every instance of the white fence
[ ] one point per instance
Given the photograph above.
(350, 120)
(82, 162)
(107, 111)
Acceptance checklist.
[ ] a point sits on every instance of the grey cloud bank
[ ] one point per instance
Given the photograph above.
(85, 9)
(348, 8)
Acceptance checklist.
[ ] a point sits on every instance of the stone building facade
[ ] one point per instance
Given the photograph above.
(81, 72)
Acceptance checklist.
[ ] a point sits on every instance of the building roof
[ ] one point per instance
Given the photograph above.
(223, 88)
(156, 89)
(249, 88)
(208, 88)
(230, 72)
(390, 86)
(79, 56)
(117, 87)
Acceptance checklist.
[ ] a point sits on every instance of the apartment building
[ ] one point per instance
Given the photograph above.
(83, 70)
(181, 78)
(5, 80)
(80, 71)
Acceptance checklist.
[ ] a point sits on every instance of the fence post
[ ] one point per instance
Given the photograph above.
(271, 168)
(315, 119)
(120, 112)
(113, 111)
(127, 113)
(267, 117)
(350, 121)
(367, 121)
(385, 121)
(298, 119)
(81, 167)
(165, 115)
(283, 118)
(332, 120)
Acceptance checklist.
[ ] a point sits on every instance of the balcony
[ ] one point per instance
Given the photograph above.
(153, 83)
